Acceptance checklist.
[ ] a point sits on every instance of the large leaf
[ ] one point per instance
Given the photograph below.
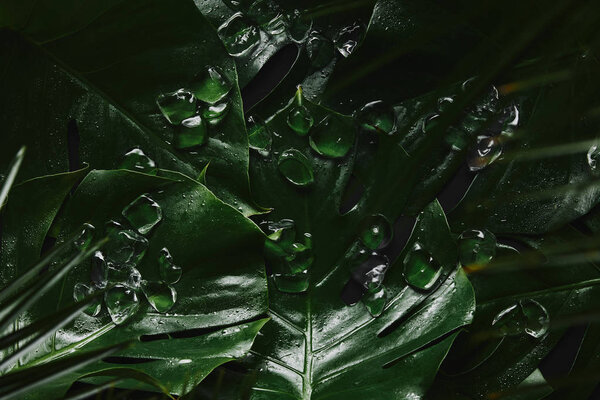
(109, 62)
(220, 296)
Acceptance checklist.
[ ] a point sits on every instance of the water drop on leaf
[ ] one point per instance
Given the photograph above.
(177, 106)
(161, 296)
(376, 117)
(80, 292)
(143, 213)
(487, 150)
(259, 137)
(136, 160)
(192, 133)
(332, 138)
(99, 270)
(295, 167)
(300, 119)
(169, 272)
(476, 247)
(211, 85)
(85, 237)
(376, 232)
(593, 156)
(527, 316)
(291, 283)
(375, 302)
(421, 270)
(239, 36)
(215, 113)
(124, 246)
(348, 38)
(122, 302)
(320, 50)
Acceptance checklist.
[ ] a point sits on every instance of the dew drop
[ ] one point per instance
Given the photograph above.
(124, 246)
(291, 283)
(169, 272)
(259, 137)
(332, 138)
(215, 113)
(487, 150)
(376, 232)
(348, 38)
(143, 213)
(300, 119)
(376, 117)
(239, 36)
(526, 316)
(122, 302)
(295, 167)
(177, 106)
(85, 237)
(300, 259)
(593, 155)
(192, 133)
(375, 302)
(299, 26)
(99, 270)
(421, 270)
(161, 296)
(211, 85)
(476, 247)
(371, 272)
(136, 160)
(282, 232)
(80, 292)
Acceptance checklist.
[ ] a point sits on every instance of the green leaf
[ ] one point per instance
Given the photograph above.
(220, 296)
(103, 72)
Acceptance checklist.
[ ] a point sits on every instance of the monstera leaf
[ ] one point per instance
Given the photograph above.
(214, 318)
(92, 83)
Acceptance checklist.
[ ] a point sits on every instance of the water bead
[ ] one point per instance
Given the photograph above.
(295, 167)
(211, 85)
(593, 155)
(300, 259)
(421, 270)
(283, 232)
(124, 246)
(332, 138)
(298, 26)
(85, 237)
(376, 232)
(161, 296)
(169, 272)
(376, 117)
(177, 106)
(527, 316)
(348, 38)
(143, 213)
(192, 133)
(371, 272)
(291, 283)
(476, 247)
(136, 160)
(80, 292)
(213, 114)
(99, 270)
(122, 303)
(259, 137)
(487, 150)
(375, 302)
(239, 36)
(300, 119)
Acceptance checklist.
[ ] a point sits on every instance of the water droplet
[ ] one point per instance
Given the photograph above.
(348, 38)
(80, 292)
(421, 270)
(282, 232)
(136, 160)
(331, 137)
(122, 302)
(300, 259)
(192, 133)
(143, 213)
(177, 106)
(85, 237)
(487, 150)
(444, 104)
(215, 113)
(376, 117)
(527, 316)
(320, 50)
(371, 272)
(239, 36)
(124, 246)
(98, 270)
(259, 137)
(476, 247)
(161, 296)
(169, 272)
(291, 283)
(299, 118)
(376, 232)
(593, 155)
(375, 302)
(295, 167)
(263, 11)
(211, 85)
